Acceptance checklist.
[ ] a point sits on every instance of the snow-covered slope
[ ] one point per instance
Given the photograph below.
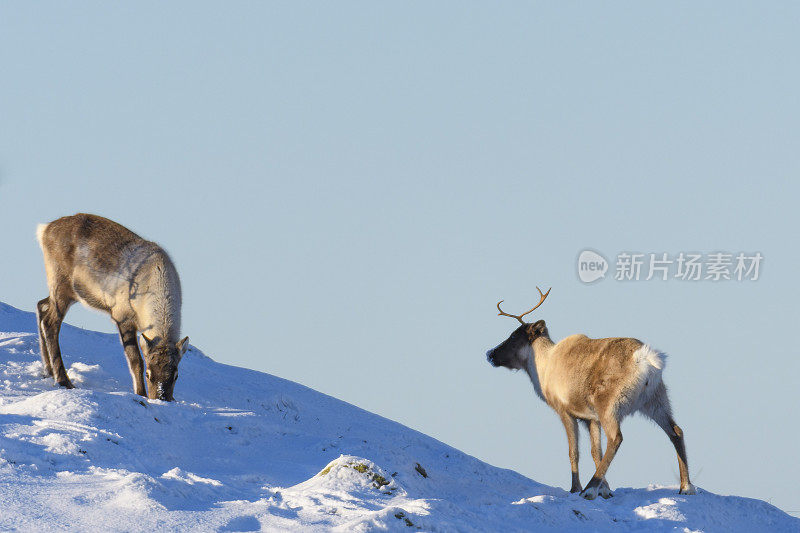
(246, 451)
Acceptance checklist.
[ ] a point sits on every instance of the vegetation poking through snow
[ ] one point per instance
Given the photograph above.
(402, 516)
(378, 480)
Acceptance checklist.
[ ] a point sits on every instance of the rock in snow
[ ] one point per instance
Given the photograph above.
(246, 451)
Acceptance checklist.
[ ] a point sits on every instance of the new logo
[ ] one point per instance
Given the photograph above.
(591, 266)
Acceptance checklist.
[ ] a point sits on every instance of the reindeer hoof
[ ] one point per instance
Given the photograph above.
(688, 490)
(66, 384)
(573, 490)
(592, 488)
(605, 490)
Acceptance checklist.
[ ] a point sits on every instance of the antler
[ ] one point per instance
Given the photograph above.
(519, 317)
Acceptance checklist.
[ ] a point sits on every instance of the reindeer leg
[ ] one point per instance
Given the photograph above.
(41, 309)
(52, 317)
(610, 425)
(676, 436)
(659, 410)
(571, 425)
(127, 334)
(597, 455)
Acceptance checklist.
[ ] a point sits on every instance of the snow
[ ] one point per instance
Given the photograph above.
(246, 451)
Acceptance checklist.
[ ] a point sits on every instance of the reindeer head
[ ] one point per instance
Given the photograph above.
(162, 358)
(514, 352)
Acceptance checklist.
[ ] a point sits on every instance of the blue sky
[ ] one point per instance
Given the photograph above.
(347, 190)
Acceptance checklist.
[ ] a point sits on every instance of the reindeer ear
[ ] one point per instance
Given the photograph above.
(537, 328)
(145, 343)
(182, 345)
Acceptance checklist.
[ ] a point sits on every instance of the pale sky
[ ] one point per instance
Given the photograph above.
(348, 189)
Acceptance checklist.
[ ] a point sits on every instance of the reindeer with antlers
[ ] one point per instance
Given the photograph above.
(596, 381)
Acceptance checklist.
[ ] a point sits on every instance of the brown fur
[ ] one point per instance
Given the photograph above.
(598, 381)
(106, 266)
(599, 371)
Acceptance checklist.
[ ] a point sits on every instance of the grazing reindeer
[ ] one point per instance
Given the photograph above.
(596, 381)
(108, 267)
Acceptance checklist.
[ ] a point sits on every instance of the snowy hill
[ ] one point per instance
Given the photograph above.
(246, 451)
